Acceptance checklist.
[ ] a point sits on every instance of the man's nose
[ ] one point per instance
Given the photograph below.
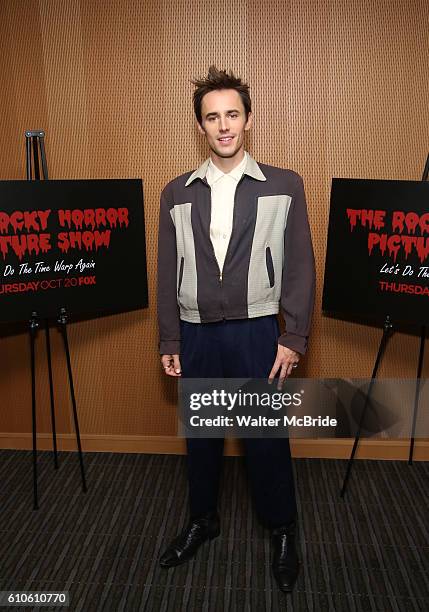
(223, 124)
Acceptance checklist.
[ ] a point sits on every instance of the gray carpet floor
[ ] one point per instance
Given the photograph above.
(367, 552)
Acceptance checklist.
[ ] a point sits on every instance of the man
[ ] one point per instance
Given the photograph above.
(234, 246)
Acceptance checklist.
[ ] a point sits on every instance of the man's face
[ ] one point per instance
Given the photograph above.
(224, 122)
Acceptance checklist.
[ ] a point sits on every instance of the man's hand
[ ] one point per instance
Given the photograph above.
(171, 365)
(286, 361)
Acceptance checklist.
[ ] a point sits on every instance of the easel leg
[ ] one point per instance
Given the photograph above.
(386, 331)
(417, 395)
(28, 156)
(36, 158)
(43, 157)
(63, 327)
(51, 392)
(33, 328)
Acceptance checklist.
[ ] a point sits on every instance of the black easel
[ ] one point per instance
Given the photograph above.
(35, 143)
(387, 329)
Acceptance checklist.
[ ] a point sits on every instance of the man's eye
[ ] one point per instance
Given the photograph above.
(233, 115)
(211, 119)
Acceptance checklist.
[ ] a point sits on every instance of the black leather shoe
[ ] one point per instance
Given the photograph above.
(188, 542)
(285, 560)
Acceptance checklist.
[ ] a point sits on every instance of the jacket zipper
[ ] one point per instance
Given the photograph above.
(214, 255)
(212, 247)
(232, 231)
(230, 239)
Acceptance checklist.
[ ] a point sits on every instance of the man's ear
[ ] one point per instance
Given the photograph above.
(200, 128)
(249, 122)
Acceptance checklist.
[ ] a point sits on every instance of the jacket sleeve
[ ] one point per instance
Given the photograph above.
(168, 309)
(298, 281)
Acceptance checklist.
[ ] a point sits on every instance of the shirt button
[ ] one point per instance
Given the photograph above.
(224, 236)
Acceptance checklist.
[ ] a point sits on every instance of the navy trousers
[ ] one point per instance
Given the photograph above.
(237, 349)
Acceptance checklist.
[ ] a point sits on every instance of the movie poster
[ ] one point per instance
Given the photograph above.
(74, 244)
(377, 260)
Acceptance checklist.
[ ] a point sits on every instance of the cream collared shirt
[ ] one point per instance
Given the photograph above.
(223, 188)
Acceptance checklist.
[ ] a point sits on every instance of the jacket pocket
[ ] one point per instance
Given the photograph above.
(270, 266)
(182, 263)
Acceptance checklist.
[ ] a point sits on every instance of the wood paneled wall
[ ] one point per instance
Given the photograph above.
(339, 89)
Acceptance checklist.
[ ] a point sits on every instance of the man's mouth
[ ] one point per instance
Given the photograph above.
(225, 139)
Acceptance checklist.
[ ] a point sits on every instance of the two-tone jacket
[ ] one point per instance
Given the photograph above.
(269, 262)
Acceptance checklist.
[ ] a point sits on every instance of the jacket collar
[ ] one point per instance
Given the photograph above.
(252, 169)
